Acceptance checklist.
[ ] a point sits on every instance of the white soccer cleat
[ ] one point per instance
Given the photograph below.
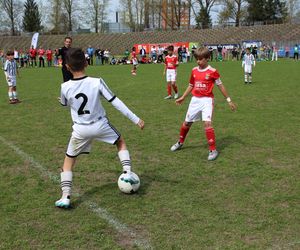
(130, 178)
(63, 202)
(176, 96)
(168, 97)
(212, 155)
(176, 146)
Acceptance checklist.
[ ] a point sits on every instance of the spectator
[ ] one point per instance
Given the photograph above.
(153, 54)
(32, 53)
(179, 52)
(143, 52)
(41, 54)
(296, 52)
(160, 53)
(49, 55)
(287, 51)
(90, 52)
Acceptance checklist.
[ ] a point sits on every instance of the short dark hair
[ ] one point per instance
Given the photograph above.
(170, 48)
(76, 59)
(68, 37)
(202, 53)
(10, 53)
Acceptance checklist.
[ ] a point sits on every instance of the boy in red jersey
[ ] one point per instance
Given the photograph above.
(134, 61)
(202, 81)
(171, 63)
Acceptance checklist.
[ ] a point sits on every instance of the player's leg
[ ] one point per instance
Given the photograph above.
(15, 93)
(250, 77)
(184, 129)
(211, 140)
(66, 181)
(10, 95)
(173, 83)
(246, 75)
(169, 90)
(207, 114)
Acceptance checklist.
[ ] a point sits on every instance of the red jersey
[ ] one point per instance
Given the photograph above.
(41, 52)
(49, 54)
(32, 52)
(133, 54)
(171, 62)
(203, 81)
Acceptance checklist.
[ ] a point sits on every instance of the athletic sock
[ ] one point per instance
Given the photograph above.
(15, 94)
(66, 183)
(246, 78)
(10, 95)
(250, 78)
(183, 132)
(169, 89)
(175, 88)
(211, 140)
(125, 160)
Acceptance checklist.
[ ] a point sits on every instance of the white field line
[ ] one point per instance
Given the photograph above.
(101, 212)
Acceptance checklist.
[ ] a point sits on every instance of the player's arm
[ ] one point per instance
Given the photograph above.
(228, 99)
(119, 105)
(180, 100)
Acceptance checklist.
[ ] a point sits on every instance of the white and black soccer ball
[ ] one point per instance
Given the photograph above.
(127, 185)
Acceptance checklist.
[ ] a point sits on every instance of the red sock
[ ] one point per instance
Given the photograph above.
(175, 88)
(211, 140)
(183, 132)
(169, 89)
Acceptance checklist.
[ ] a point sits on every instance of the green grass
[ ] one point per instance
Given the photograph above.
(247, 199)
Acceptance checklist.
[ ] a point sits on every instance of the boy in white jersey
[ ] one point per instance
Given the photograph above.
(11, 72)
(248, 61)
(83, 94)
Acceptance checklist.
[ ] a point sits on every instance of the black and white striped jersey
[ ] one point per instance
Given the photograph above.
(10, 67)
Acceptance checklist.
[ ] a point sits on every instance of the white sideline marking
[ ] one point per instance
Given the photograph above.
(101, 212)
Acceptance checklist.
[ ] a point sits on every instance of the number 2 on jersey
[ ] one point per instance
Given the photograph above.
(81, 110)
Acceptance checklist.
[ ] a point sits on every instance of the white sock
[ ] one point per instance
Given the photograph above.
(15, 94)
(10, 95)
(246, 78)
(125, 160)
(66, 183)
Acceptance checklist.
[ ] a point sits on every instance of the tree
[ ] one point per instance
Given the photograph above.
(233, 10)
(68, 4)
(12, 8)
(56, 15)
(98, 13)
(31, 18)
(203, 18)
(266, 11)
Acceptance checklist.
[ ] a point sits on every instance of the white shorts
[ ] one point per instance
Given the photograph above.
(248, 69)
(200, 108)
(12, 81)
(135, 62)
(83, 135)
(171, 75)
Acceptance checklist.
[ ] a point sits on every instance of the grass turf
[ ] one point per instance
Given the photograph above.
(247, 199)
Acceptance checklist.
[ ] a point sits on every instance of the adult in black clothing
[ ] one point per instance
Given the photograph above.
(67, 75)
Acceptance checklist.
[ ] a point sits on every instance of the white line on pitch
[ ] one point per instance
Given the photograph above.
(101, 212)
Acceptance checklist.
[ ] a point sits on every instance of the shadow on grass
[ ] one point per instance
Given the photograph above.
(146, 180)
(222, 143)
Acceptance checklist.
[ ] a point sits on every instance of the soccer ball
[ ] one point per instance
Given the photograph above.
(127, 184)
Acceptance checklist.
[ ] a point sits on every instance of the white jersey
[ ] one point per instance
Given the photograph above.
(248, 60)
(83, 95)
(10, 68)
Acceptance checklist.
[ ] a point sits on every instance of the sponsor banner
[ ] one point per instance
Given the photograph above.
(253, 43)
(227, 46)
(148, 46)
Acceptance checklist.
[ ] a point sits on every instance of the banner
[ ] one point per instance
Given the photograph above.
(148, 46)
(34, 40)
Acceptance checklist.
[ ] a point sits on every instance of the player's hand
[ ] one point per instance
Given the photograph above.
(232, 106)
(141, 124)
(179, 101)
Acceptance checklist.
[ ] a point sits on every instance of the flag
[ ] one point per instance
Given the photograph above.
(34, 40)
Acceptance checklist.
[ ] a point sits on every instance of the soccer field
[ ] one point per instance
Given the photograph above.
(247, 199)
